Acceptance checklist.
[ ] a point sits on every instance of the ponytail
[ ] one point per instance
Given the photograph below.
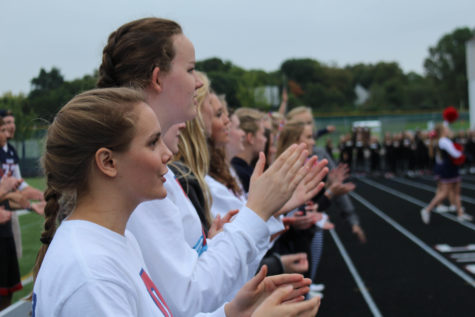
(51, 214)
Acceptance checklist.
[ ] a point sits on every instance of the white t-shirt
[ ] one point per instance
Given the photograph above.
(90, 270)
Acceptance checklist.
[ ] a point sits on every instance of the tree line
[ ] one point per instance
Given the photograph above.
(324, 88)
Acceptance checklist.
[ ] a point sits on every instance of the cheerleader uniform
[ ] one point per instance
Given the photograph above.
(447, 171)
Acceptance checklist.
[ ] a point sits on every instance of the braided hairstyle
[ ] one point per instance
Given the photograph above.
(134, 50)
(91, 120)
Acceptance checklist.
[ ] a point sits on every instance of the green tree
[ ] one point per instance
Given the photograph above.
(213, 64)
(419, 93)
(47, 80)
(446, 67)
(51, 92)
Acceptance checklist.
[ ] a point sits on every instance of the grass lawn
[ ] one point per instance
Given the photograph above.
(31, 227)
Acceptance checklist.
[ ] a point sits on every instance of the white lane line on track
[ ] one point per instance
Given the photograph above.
(470, 268)
(445, 248)
(428, 188)
(369, 300)
(465, 260)
(415, 201)
(415, 239)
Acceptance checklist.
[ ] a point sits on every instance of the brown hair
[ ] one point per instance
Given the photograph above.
(289, 135)
(91, 120)
(135, 49)
(219, 168)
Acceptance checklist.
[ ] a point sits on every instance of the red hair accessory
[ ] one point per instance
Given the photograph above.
(450, 114)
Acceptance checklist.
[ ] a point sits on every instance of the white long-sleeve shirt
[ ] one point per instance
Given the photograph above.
(90, 270)
(192, 282)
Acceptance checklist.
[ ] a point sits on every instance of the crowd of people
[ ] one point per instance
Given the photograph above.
(162, 200)
(144, 213)
(15, 194)
(403, 153)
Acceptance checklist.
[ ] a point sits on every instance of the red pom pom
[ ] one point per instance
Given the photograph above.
(461, 159)
(450, 114)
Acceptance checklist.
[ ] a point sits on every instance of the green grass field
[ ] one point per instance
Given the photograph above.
(31, 227)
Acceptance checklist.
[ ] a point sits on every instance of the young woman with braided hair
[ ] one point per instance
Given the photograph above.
(104, 147)
(154, 56)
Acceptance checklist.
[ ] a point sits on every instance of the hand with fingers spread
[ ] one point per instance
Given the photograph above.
(218, 223)
(275, 306)
(309, 186)
(270, 190)
(338, 174)
(335, 184)
(260, 288)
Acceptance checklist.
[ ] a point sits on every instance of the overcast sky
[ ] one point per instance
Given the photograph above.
(252, 34)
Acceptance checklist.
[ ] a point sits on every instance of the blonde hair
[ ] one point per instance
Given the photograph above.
(296, 111)
(91, 120)
(193, 149)
(289, 135)
(439, 129)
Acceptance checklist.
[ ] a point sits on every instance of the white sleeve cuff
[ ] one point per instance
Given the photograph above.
(275, 225)
(252, 225)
